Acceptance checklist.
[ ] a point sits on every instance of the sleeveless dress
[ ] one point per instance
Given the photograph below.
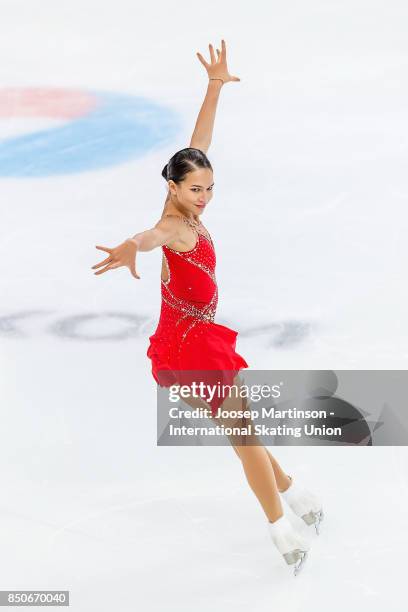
(187, 338)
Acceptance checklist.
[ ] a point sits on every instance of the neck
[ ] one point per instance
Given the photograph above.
(171, 209)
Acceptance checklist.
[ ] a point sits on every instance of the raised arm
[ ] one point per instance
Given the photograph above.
(218, 75)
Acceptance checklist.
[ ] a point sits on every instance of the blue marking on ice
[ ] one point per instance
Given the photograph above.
(120, 128)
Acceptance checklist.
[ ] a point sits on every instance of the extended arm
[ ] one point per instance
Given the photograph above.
(218, 74)
(165, 230)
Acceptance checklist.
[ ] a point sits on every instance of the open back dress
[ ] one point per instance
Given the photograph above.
(187, 338)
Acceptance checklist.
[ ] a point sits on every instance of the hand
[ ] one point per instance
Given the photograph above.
(122, 255)
(218, 67)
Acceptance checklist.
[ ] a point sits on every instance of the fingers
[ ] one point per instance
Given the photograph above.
(112, 266)
(221, 55)
(104, 249)
(202, 60)
(101, 263)
(223, 50)
(133, 271)
(102, 271)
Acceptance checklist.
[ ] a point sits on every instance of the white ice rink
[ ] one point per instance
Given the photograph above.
(309, 219)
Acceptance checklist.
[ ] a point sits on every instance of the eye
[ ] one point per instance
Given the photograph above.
(195, 189)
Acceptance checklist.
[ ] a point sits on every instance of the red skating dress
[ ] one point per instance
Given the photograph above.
(186, 337)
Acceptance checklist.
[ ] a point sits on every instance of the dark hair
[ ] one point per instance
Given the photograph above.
(183, 162)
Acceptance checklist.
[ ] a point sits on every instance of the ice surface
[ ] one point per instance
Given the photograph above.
(309, 220)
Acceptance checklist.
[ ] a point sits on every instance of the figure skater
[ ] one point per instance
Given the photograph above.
(187, 337)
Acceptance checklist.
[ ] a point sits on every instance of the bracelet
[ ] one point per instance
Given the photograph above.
(216, 79)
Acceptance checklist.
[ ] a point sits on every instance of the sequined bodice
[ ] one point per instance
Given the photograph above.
(190, 293)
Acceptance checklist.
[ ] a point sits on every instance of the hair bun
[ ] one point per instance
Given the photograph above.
(164, 172)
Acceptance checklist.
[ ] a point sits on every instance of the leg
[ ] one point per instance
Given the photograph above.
(282, 479)
(255, 460)
(254, 457)
(258, 465)
(261, 478)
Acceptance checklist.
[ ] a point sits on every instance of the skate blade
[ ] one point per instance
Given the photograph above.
(314, 518)
(298, 568)
(296, 557)
(319, 519)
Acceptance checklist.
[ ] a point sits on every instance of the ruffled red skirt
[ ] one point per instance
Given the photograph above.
(208, 349)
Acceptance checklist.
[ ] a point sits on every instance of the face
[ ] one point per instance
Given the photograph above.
(195, 191)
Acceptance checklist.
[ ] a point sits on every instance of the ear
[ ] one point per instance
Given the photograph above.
(172, 189)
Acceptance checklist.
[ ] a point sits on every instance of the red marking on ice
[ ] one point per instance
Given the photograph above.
(41, 102)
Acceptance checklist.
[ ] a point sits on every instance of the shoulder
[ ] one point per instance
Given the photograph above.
(178, 234)
(169, 221)
(170, 229)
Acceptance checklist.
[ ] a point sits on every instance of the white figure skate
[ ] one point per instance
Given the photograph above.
(290, 544)
(304, 504)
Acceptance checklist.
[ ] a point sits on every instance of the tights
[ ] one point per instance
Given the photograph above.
(263, 473)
